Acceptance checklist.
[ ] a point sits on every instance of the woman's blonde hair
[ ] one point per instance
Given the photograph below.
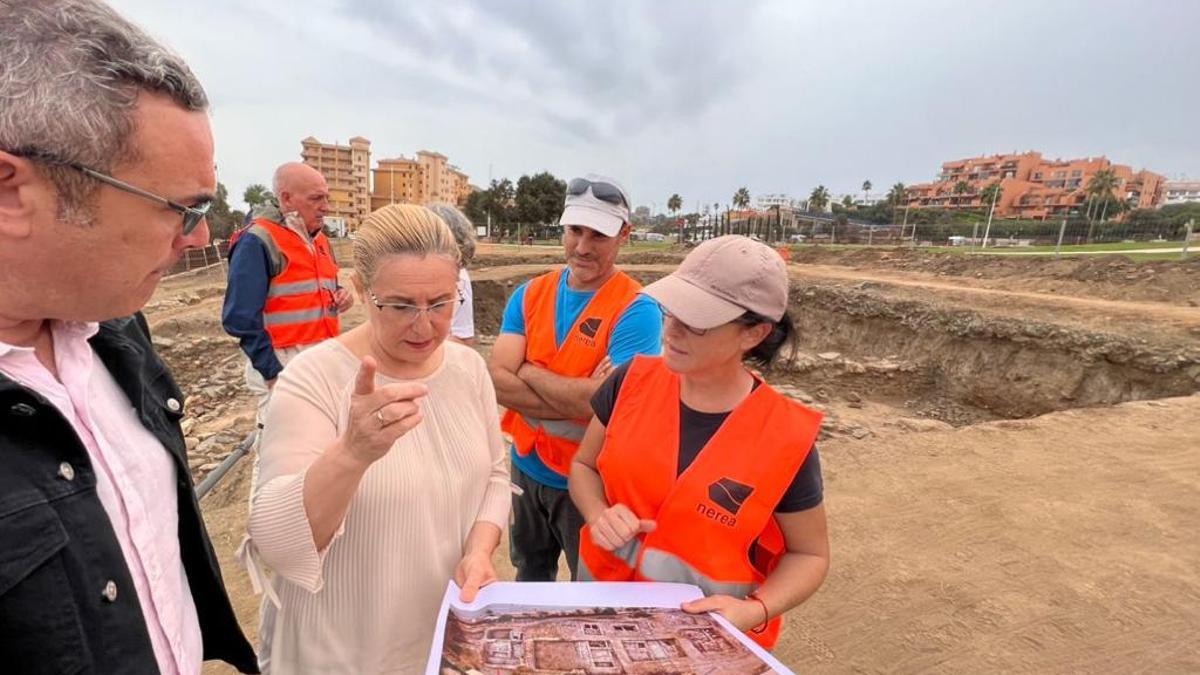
(400, 229)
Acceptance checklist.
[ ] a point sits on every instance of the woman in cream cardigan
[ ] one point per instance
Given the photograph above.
(383, 473)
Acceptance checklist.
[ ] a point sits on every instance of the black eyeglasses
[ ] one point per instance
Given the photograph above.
(747, 319)
(600, 190)
(192, 215)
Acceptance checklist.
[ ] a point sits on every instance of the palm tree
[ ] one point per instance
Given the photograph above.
(866, 192)
(896, 194)
(962, 187)
(819, 199)
(741, 198)
(257, 194)
(1101, 186)
(674, 203)
(990, 193)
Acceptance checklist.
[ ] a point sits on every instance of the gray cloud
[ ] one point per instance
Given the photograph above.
(598, 71)
(695, 97)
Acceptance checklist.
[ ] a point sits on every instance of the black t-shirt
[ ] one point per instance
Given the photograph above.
(695, 430)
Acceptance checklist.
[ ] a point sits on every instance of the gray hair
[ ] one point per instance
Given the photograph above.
(460, 225)
(70, 75)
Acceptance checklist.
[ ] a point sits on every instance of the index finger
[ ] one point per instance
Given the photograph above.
(364, 382)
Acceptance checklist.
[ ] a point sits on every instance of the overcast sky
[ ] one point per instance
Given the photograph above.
(694, 97)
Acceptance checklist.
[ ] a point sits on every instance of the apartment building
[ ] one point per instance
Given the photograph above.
(346, 170)
(1181, 191)
(1032, 187)
(425, 179)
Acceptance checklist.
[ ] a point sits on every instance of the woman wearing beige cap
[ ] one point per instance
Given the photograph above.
(694, 469)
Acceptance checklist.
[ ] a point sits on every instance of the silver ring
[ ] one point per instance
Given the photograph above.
(379, 416)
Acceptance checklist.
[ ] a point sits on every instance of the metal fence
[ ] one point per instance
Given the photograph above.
(1065, 234)
(200, 258)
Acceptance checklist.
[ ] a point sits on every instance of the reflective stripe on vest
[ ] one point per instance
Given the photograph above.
(300, 307)
(299, 287)
(585, 345)
(567, 429)
(302, 316)
(715, 521)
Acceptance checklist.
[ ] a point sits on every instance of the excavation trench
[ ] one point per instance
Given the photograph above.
(917, 359)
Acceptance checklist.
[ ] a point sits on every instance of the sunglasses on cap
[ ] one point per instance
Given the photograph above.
(605, 192)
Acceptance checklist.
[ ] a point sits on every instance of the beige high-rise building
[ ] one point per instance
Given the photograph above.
(347, 170)
(397, 181)
(461, 185)
(427, 179)
(438, 181)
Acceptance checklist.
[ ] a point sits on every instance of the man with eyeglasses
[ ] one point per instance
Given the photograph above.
(562, 334)
(106, 173)
(283, 293)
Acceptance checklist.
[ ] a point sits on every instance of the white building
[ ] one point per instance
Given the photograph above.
(764, 202)
(1181, 191)
(857, 199)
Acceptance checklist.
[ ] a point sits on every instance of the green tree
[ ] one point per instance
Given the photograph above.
(1100, 194)
(476, 207)
(847, 202)
(741, 198)
(539, 200)
(222, 221)
(499, 201)
(896, 196)
(818, 199)
(990, 193)
(866, 191)
(257, 195)
(674, 204)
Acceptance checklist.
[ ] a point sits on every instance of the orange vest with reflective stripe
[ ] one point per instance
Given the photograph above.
(300, 306)
(716, 524)
(584, 347)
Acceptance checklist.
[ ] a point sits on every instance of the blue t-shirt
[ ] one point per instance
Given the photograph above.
(638, 331)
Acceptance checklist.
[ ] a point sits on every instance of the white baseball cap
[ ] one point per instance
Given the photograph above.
(596, 202)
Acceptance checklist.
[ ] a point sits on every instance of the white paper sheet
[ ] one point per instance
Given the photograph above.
(511, 599)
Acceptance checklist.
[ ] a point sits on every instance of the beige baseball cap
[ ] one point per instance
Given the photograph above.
(722, 279)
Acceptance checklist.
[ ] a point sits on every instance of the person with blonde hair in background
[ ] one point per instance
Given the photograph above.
(383, 472)
(462, 326)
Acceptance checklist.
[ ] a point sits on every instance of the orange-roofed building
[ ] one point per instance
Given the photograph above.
(1031, 187)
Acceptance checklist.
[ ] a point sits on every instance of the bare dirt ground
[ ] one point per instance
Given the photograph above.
(1011, 454)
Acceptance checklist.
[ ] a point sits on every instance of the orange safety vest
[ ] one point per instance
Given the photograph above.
(300, 307)
(716, 526)
(584, 347)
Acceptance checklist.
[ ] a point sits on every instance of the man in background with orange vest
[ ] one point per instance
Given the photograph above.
(561, 335)
(283, 293)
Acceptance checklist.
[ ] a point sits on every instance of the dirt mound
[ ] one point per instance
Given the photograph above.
(1113, 277)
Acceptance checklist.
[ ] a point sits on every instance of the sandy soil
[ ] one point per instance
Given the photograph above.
(1061, 543)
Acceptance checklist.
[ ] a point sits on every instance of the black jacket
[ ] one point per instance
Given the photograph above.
(67, 601)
